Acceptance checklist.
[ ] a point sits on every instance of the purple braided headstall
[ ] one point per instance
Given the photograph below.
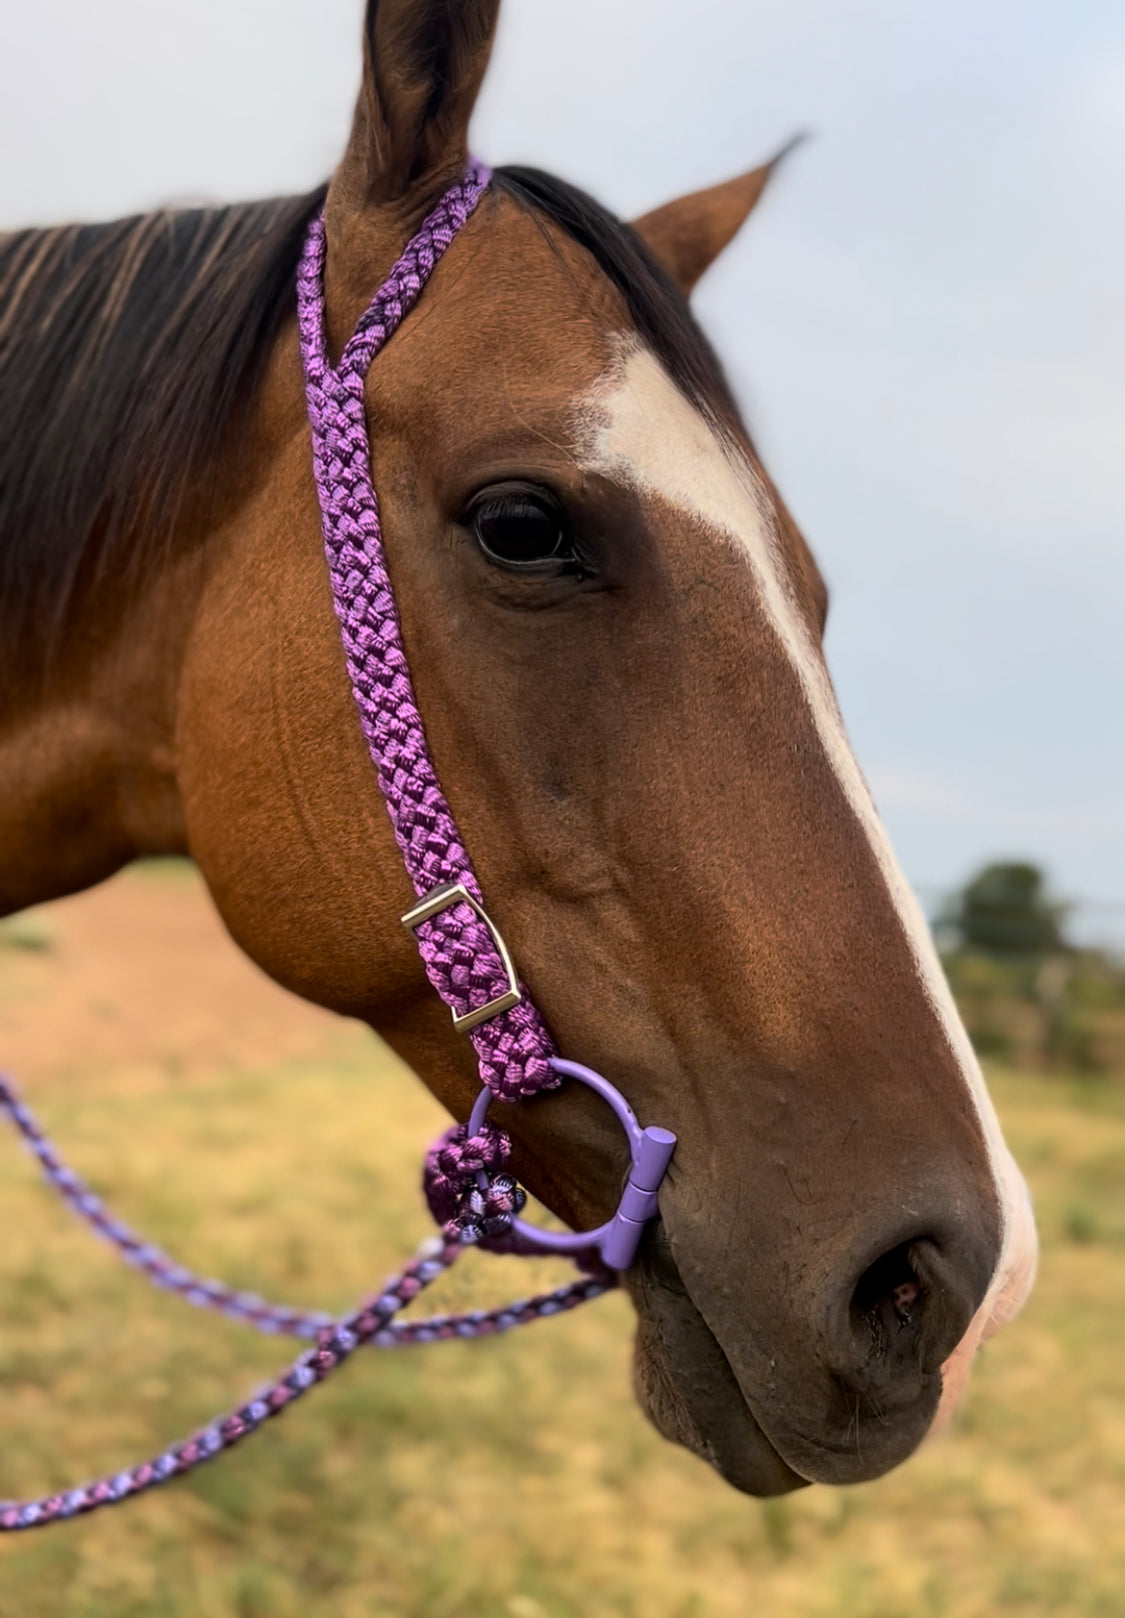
(470, 1190)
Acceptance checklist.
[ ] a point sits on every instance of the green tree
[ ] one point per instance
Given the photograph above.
(1006, 910)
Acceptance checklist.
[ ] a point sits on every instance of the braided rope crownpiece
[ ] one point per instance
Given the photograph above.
(466, 1177)
(457, 949)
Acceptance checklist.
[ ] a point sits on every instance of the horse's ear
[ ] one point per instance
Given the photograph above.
(688, 235)
(423, 62)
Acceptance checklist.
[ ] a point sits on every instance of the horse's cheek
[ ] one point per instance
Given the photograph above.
(281, 814)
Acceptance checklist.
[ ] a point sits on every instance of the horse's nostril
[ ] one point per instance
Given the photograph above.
(889, 1299)
(908, 1311)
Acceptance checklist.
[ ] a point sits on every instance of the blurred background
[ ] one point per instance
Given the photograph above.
(924, 321)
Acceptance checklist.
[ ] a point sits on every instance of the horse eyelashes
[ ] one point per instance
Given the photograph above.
(524, 532)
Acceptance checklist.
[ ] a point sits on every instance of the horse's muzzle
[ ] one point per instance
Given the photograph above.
(857, 1393)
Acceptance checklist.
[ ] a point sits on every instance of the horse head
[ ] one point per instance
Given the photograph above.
(614, 629)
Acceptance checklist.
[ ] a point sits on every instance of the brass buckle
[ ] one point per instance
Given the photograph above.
(444, 898)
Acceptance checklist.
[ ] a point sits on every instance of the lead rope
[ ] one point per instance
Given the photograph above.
(372, 1324)
(465, 960)
(278, 1319)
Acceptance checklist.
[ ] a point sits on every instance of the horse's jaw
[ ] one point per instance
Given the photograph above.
(687, 1389)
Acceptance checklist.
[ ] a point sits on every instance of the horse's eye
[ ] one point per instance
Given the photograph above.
(522, 530)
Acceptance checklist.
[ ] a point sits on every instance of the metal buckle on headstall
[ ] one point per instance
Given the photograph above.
(444, 898)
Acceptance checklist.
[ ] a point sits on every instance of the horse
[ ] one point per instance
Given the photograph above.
(614, 628)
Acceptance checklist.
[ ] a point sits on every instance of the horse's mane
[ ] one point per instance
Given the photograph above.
(130, 351)
(126, 350)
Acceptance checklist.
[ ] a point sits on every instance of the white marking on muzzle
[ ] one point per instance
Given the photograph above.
(636, 427)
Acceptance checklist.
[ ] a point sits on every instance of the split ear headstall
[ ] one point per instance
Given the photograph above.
(470, 1190)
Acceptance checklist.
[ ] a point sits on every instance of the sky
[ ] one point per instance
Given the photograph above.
(924, 319)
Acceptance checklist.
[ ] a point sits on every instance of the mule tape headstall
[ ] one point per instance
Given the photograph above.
(466, 1178)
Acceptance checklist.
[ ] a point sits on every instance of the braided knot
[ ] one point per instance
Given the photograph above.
(466, 1209)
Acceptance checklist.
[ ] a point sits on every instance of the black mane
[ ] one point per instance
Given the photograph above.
(127, 350)
(130, 351)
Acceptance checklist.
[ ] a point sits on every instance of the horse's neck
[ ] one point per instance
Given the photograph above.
(87, 753)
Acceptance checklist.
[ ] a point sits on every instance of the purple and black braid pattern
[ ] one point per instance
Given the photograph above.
(456, 948)
(451, 1180)
(473, 1196)
(373, 1325)
(276, 1318)
(334, 1344)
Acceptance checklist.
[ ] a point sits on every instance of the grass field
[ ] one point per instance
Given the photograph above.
(262, 1141)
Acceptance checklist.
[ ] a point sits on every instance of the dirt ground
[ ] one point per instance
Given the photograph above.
(136, 980)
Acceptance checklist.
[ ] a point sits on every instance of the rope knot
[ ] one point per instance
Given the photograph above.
(470, 1192)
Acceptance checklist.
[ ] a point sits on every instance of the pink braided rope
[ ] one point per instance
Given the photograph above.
(457, 949)
(277, 1318)
(334, 1344)
(373, 1325)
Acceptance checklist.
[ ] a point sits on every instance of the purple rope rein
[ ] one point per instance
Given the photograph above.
(373, 1324)
(470, 1191)
(278, 1319)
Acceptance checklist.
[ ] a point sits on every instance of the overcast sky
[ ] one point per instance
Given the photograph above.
(924, 320)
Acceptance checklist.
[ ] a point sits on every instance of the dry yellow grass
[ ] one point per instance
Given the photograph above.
(511, 1479)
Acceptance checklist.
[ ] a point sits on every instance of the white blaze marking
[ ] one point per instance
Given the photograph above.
(636, 426)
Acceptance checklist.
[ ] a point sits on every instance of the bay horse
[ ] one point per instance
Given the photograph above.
(615, 633)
